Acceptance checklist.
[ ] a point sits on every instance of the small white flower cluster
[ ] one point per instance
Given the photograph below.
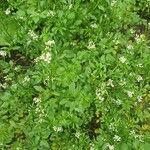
(112, 127)
(139, 98)
(117, 138)
(130, 93)
(91, 45)
(3, 53)
(129, 47)
(140, 65)
(110, 83)
(37, 100)
(58, 128)
(110, 147)
(50, 43)
(26, 80)
(136, 136)
(77, 134)
(122, 59)
(39, 110)
(92, 146)
(7, 11)
(99, 95)
(140, 38)
(101, 91)
(7, 78)
(46, 57)
(139, 78)
(33, 35)
(118, 102)
(4, 85)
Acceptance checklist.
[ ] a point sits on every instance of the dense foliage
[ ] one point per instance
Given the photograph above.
(74, 74)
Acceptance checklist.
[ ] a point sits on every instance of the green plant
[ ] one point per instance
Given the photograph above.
(74, 75)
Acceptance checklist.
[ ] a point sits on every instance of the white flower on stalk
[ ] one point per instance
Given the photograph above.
(99, 95)
(91, 45)
(132, 133)
(122, 59)
(26, 79)
(37, 100)
(118, 102)
(117, 138)
(58, 129)
(139, 78)
(33, 35)
(129, 47)
(110, 83)
(7, 11)
(112, 127)
(4, 86)
(3, 53)
(130, 94)
(110, 147)
(139, 98)
(140, 65)
(44, 57)
(78, 134)
(92, 146)
(50, 43)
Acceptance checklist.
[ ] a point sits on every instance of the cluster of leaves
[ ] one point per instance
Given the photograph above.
(94, 93)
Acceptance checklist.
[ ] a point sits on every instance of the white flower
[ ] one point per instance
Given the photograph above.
(99, 95)
(118, 102)
(110, 83)
(45, 57)
(112, 127)
(50, 43)
(57, 129)
(94, 25)
(91, 45)
(3, 53)
(92, 146)
(122, 59)
(117, 138)
(77, 134)
(110, 147)
(7, 11)
(139, 78)
(33, 35)
(26, 79)
(140, 65)
(130, 94)
(139, 98)
(139, 38)
(132, 133)
(37, 100)
(129, 47)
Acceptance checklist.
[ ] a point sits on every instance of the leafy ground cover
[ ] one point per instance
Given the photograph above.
(74, 75)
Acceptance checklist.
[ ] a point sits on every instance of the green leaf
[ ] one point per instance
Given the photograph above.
(38, 88)
(71, 15)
